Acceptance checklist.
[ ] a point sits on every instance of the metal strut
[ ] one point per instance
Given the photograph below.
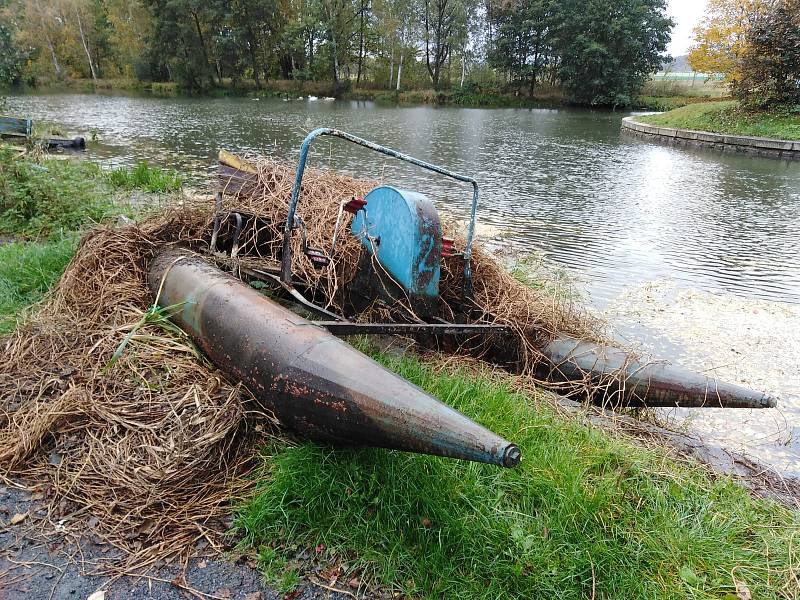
(286, 256)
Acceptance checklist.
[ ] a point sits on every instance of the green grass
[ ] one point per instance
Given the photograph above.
(147, 178)
(729, 117)
(45, 205)
(39, 198)
(664, 103)
(585, 515)
(28, 270)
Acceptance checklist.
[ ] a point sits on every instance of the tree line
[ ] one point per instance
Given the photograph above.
(755, 44)
(597, 51)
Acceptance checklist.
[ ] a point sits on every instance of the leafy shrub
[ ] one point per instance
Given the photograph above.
(770, 67)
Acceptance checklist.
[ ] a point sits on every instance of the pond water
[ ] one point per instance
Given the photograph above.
(617, 213)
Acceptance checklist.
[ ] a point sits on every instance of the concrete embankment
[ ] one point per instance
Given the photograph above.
(774, 148)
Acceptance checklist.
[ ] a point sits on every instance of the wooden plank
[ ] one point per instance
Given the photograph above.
(233, 181)
(231, 160)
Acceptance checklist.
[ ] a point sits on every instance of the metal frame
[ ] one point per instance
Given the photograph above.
(286, 256)
(334, 323)
(348, 328)
(338, 325)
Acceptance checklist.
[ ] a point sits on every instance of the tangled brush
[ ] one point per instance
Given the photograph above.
(150, 442)
(262, 187)
(113, 408)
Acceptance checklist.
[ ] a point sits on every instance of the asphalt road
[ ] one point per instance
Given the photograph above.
(36, 562)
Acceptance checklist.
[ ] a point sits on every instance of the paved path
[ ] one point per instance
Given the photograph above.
(38, 566)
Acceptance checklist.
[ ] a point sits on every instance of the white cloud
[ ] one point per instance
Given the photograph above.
(686, 14)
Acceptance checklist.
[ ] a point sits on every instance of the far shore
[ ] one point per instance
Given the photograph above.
(654, 96)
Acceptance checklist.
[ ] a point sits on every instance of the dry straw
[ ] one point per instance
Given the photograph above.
(156, 443)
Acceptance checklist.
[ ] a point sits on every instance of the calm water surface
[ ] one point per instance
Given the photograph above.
(614, 211)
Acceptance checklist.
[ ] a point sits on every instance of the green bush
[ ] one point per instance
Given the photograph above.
(770, 66)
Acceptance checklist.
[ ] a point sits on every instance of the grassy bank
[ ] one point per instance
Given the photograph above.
(663, 95)
(28, 270)
(586, 515)
(729, 117)
(45, 204)
(118, 84)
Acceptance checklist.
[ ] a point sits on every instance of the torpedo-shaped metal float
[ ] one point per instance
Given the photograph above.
(315, 383)
(627, 381)
(401, 233)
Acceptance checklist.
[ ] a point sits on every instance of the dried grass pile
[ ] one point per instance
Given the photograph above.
(155, 444)
(535, 313)
(149, 445)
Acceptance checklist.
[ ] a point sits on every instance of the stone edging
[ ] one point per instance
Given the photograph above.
(785, 149)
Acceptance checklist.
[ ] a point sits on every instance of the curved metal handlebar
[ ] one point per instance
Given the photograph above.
(286, 257)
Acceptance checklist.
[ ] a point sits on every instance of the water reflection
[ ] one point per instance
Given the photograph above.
(616, 210)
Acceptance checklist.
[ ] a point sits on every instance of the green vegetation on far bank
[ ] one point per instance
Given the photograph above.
(469, 95)
(587, 514)
(599, 54)
(729, 117)
(653, 97)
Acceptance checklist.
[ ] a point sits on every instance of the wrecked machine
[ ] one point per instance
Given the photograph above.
(323, 388)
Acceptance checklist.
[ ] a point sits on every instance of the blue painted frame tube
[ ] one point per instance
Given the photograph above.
(286, 256)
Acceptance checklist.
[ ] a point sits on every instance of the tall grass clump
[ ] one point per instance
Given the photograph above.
(147, 178)
(586, 515)
(42, 197)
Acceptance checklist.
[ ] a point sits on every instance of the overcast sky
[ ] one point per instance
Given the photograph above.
(686, 14)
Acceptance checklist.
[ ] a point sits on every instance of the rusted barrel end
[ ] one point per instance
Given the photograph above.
(629, 382)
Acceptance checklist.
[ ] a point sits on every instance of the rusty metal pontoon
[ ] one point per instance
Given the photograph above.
(315, 383)
(324, 388)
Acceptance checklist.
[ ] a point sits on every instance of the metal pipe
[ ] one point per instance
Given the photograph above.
(314, 383)
(286, 257)
(644, 384)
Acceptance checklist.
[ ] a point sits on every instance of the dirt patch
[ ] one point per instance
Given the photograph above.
(37, 562)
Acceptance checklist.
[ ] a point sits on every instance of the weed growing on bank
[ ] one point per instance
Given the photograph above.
(39, 198)
(585, 514)
(45, 205)
(146, 178)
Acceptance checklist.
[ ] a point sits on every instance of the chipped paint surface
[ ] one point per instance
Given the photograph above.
(402, 228)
